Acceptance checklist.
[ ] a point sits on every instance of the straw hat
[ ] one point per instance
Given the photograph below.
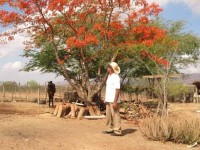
(115, 67)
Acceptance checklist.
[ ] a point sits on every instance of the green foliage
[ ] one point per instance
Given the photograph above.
(9, 85)
(187, 51)
(33, 84)
(186, 131)
(44, 60)
(132, 66)
(130, 89)
(131, 62)
(177, 88)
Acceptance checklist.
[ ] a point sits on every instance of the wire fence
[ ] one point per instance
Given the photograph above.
(17, 92)
(28, 93)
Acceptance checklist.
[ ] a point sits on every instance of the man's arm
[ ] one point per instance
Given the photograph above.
(116, 98)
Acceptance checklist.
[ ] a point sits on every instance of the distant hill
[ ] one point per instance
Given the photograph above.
(190, 78)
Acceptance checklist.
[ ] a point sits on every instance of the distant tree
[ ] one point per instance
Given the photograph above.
(9, 86)
(178, 90)
(33, 84)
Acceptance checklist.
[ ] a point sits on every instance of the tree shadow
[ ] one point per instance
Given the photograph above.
(128, 131)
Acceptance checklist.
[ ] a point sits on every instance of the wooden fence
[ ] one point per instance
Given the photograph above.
(27, 93)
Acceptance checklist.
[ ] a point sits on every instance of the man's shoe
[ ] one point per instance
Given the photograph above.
(116, 134)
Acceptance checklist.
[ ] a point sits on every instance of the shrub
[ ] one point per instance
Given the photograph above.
(177, 91)
(186, 131)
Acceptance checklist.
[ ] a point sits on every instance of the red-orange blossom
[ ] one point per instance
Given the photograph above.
(90, 29)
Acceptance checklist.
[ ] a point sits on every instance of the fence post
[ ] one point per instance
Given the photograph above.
(46, 92)
(3, 92)
(27, 91)
(38, 94)
(13, 90)
(20, 91)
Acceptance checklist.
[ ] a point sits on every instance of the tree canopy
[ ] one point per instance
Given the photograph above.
(77, 38)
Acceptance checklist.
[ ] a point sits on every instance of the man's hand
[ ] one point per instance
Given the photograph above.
(116, 98)
(103, 99)
(114, 105)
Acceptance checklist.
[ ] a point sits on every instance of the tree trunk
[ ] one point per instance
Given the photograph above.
(60, 111)
(74, 111)
(96, 110)
(160, 107)
(91, 111)
(56, 109)
(164, 109)
(81, 112)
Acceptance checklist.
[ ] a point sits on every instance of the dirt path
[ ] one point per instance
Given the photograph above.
(36, 129)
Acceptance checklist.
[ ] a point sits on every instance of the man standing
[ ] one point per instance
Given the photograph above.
(113, 123)
(51, 89)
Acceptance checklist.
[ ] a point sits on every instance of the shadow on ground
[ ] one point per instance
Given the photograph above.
(128, 131)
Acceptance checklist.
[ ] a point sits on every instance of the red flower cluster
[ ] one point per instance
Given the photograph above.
(84, 23)
(9, 17)
(147, 34)
(79, 43)
(158, 60)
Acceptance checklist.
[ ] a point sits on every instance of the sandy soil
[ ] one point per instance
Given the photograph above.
(28, 126)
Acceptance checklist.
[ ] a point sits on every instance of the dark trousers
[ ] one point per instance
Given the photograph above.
(51, 99)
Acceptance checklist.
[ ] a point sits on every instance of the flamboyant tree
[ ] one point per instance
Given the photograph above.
(84, 35)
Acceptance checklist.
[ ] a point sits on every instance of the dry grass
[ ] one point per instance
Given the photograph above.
(179, 130)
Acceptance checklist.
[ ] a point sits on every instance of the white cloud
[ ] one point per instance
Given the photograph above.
(161, 2)
(12, 46)
(3, 53)
(191, 69)
(17, 65)
(10, 72)
(194, 5)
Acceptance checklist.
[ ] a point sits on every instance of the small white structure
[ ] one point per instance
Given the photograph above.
(196, 98)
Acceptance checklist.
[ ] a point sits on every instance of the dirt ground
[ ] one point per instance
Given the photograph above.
(28, 126)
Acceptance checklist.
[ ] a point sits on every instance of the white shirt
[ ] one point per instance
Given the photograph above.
(112, 83)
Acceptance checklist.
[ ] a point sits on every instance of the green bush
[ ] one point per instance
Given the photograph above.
(186, 131)
(176, 88)
(176, 91)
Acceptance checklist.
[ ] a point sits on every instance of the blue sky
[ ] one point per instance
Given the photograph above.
(11, 62)
(180, 11)
(188, 11)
